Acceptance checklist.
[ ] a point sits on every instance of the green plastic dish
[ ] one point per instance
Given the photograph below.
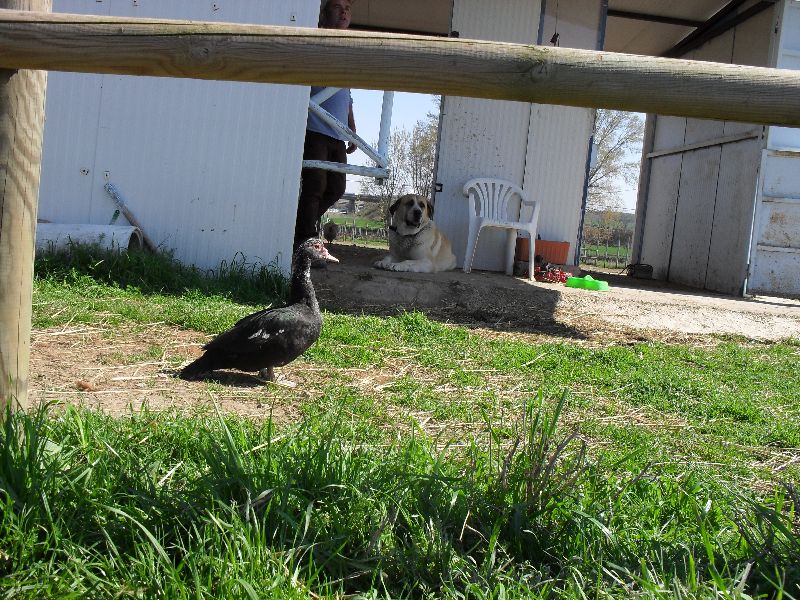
(587, 283)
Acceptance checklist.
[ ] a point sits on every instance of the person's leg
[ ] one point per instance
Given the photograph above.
(313, 183)
(336, 182)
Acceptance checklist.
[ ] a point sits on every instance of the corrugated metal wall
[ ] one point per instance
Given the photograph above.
(559, 136)
(211, 169)
(696, 203)
(542, 148)
(482, 138)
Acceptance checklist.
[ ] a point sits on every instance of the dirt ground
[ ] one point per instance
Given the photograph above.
(114, 371)
(631, 309)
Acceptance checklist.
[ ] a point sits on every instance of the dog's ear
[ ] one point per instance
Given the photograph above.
(393, 206)
(429, 204)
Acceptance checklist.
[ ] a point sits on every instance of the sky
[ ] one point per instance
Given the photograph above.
(407, 109)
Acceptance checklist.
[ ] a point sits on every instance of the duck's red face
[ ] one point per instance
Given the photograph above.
(320, 251)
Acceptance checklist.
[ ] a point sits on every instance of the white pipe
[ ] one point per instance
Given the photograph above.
(324, 94)
(386, 124)
(51, 237)
(376, 172)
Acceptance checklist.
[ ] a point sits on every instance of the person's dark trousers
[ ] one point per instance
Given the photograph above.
(319, 189)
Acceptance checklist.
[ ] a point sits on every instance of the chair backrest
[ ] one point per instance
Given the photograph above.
(497, 199)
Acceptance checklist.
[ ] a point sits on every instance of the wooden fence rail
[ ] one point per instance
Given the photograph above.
(462, 67)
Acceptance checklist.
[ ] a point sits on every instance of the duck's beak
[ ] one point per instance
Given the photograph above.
(328, 256)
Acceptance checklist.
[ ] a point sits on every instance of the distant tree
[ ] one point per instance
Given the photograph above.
(420, 154)
(395, 184)
(411, 161)
(618, 136)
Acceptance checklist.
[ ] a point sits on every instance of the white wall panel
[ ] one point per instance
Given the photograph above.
(786, 55)
(698, 208)
(555, 170)
(482, 138)
(559, 136)
(72, 115)
(210, 168)
(542, 148)
(775, 251)
(661, 199)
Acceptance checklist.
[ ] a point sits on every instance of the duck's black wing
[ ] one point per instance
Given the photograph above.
(272, 336)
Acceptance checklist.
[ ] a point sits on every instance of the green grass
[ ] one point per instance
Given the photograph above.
(609, 257)
(89, 286)
(643, 470)
(603, 250)
(213, 507)
(358, 221)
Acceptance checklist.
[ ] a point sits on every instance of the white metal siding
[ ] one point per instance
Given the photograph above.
(559, 136)
(555, 170)
(210, 168)
(482, 138)
(775, 252)
(539, 147)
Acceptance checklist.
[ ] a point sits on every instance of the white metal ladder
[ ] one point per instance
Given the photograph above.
(380, 156)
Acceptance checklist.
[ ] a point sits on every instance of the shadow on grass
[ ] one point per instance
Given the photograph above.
(354, 287)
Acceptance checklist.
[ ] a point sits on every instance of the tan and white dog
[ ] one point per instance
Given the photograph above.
(415, 243)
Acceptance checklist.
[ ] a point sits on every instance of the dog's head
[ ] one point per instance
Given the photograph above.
(409, 213)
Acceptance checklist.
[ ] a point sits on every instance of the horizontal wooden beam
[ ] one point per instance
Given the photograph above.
(637, 16)
(460, 67)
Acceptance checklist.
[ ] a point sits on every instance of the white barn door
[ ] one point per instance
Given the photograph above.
(775, 245)
(695, 207)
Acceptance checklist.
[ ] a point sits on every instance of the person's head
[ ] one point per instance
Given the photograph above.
(335, 14)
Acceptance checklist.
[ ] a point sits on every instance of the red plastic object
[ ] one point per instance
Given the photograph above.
(553, 252)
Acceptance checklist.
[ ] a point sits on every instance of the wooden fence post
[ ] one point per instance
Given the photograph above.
(22, 94)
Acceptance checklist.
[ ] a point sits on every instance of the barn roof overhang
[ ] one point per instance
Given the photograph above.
(648, 27)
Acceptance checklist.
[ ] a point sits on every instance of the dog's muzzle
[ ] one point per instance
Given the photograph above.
(414, 218)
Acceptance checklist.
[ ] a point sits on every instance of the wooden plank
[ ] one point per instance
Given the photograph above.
(21, 126)
(461, 67)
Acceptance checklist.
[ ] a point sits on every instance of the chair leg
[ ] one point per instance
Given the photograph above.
(472, 243)
(531, 257)
(511, 244)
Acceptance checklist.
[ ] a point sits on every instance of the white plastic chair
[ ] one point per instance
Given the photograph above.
(499, 203)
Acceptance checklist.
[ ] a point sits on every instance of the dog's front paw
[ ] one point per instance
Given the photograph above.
(385, 263)
(405, 266)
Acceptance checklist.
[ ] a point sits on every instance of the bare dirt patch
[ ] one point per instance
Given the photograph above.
(117, 369)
